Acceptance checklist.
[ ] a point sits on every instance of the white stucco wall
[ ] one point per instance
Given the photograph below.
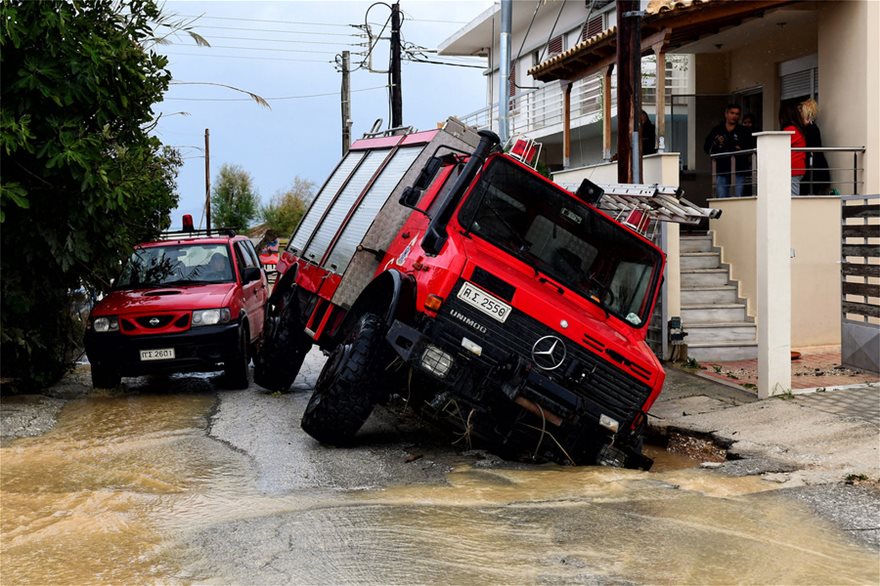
(815, 268)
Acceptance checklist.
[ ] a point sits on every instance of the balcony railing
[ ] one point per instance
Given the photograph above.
(844, 172)
(540, 111)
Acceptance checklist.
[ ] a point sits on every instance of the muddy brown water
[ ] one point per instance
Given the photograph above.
(131, 490)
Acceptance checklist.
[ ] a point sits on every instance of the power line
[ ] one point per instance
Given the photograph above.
(268, 30)
(281, 98)
(273, 21)
(334, 43)
(250, 57)
(262, 49)
(411, 60)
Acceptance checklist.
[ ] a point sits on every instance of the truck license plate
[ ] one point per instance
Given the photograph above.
(158, 354)
(491, 306)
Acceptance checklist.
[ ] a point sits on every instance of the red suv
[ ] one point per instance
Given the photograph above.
(188, 302)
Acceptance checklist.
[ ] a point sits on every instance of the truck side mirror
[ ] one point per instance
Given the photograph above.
(412, 194)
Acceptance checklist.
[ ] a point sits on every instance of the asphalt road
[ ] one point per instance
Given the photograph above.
(248, 497)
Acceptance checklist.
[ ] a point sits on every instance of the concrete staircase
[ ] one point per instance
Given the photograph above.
(713, 316)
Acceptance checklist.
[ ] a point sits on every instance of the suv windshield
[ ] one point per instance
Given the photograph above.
(177, 264)
(564, 239)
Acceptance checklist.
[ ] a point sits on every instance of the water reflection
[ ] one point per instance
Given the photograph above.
(130, 489)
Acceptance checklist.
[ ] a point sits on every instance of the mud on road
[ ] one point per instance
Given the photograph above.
(178, 480)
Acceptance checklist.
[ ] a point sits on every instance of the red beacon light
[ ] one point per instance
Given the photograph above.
(525, 150)
(187, 223)
(638, 220)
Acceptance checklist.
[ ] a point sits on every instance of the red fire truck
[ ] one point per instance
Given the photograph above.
(437, 268)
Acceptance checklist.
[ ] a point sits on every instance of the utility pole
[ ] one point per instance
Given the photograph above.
(346, 102)
(627, 86)
(504, 70)
(207, 181)
(396, 91)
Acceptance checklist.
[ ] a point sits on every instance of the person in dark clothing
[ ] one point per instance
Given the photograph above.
(648, 134)
(728, 137)
(817, 179)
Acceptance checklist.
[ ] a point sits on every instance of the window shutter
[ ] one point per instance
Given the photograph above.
(799, 84)
(592, 27)
(554, 47)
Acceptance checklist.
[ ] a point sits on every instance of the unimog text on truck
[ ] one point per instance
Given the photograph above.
(434, 266)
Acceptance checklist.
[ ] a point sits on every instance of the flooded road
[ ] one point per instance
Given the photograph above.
(147, 486)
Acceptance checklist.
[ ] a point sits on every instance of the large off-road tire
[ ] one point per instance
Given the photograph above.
(105, 377)
(283, 348)
(237, 370)
(347, 388)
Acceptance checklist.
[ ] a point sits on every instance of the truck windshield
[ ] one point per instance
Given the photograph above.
(561, 237)
(177, 264)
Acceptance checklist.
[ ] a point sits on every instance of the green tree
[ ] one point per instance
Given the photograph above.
(286, 209)
(82, 180)
(234, 203)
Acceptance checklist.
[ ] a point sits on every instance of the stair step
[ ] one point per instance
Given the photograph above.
(713, 313)
(694, 278)
(700, 260)
(698, 295)
(721, 332)
(722, 351)
(701, 243)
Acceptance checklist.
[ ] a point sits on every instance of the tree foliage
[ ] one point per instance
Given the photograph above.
(82, 179)
(286, 209)
(234, 202)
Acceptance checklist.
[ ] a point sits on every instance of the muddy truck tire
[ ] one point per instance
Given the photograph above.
(283, 348)
(348, 386)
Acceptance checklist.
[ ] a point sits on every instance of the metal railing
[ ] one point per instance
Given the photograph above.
(835, 177)
(537, 110)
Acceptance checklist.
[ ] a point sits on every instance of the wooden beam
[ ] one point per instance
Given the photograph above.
(661, 91)
(606, 112)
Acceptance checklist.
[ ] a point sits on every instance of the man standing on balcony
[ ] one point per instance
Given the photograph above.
(728, 137)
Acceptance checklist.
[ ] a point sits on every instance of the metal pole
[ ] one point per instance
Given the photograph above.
(625, 85)
(504, 70)
(346, 102)
(636, 113)
(208, 181)
(396, 91)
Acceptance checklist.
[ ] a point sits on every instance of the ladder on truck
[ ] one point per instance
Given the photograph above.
(636, 205)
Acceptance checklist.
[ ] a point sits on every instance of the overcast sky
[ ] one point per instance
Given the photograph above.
(284, 51)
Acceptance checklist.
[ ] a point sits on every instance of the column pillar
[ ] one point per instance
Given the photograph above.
(773, 247)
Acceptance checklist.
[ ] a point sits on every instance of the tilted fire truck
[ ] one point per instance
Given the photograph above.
(434, 266)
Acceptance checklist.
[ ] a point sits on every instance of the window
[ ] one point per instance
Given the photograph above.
(555, 46)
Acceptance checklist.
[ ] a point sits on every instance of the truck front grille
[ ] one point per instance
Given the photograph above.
(621, 394)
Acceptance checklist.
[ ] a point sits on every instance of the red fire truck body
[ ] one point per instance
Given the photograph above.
(435, 267)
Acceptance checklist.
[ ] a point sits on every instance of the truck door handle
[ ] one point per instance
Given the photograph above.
(549, 283)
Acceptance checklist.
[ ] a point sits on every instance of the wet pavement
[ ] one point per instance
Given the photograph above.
(179, 481)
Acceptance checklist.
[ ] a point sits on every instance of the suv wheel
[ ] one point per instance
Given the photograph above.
(104, 377)
(283, 349)
(348, 385)
(237, 370)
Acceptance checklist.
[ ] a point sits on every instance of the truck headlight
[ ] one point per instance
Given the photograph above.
(106, 324)
(436, 361)
(210, 317)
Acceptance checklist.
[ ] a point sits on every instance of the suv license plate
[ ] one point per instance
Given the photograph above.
(159, 354)
(491, 306)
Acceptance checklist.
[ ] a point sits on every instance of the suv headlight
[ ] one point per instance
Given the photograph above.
(105, 324)
(210, 317)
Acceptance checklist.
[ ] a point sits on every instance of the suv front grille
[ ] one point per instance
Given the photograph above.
(622, 394)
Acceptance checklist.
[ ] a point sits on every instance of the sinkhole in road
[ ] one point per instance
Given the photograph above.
(133, 489)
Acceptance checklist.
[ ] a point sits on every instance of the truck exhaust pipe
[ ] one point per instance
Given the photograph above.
(435, 236)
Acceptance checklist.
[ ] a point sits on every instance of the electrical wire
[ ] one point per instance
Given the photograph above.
(261, 49)
(334, 43)
(250, 57)
(277, 99)
(236, 18)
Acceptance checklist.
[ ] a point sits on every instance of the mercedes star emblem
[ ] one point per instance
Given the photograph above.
(548, 353)
(154, 321)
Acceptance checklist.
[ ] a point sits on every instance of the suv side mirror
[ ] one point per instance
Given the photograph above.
(412, 194)
(252, 274)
